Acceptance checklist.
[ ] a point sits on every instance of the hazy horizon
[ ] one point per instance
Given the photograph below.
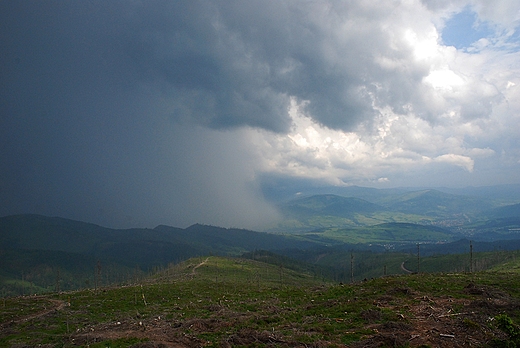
(135, 114)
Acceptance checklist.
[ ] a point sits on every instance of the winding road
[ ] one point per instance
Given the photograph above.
(405, 269)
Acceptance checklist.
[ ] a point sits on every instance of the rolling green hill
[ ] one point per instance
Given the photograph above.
(497, 195)
(435, 203)
(223, 302)
(329, 205)
(39, 253)
(34, 232)
(42, 254)
(512, 210)
(430, 206)
(493, 229)
(326, 211)
(321, 211)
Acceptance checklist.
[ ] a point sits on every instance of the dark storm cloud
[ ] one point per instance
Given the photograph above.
(225, 64)
(210, 74)
(138, 112)
(89, 92)
(217, 63)
(94, 94)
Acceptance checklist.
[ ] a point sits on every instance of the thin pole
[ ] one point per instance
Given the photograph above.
(470, 257)
(351, 267)
(418, 258)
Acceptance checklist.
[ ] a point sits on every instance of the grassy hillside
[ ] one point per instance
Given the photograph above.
(386, 233)
(35, 232)
(493, 229)
(37, 271)
(435, 203)
(76, 255)
(512, 210)
(323, 211)
(342, 264)
(329, 205)
(222, 302)
(510, 265)
(332, 211)
(40, 254)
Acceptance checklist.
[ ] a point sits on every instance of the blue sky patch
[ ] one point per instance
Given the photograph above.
(463, 29)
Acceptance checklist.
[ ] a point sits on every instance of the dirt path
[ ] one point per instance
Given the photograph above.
(57, 305)
(199, 265)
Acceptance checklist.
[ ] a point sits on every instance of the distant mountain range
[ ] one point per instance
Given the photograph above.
(39, 250)
(368, 206)
(165, 243)
(47, 252)
(279, 190)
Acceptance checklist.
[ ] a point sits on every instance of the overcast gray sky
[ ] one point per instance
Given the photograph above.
(138, 113)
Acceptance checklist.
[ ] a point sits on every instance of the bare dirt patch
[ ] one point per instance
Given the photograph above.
(441, 322)
(424, 320)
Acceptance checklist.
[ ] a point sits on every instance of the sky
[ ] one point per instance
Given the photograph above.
(139, 113)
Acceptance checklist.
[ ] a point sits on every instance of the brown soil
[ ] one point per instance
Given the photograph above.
(444, 321)
(428, 321)
(56, 305)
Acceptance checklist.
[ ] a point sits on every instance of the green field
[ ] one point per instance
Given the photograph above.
(223, 302)
(385, 233)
